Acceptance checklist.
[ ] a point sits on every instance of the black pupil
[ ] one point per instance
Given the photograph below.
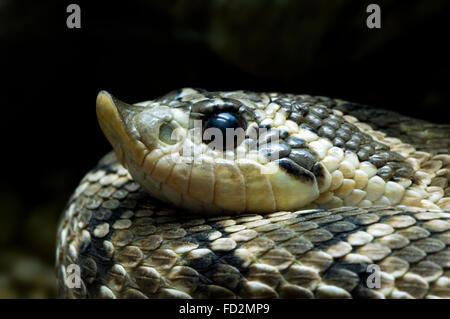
(224, 121)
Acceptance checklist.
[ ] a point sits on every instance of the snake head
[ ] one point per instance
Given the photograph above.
(179, 149)
(254, 152)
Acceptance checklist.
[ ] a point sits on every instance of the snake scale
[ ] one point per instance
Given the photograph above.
(311, 195)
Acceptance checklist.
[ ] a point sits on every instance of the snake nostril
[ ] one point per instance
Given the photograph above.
(166, 134)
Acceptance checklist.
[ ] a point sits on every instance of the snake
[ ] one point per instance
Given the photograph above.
(237, 194)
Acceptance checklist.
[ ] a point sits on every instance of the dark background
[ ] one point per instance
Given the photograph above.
(139, 50)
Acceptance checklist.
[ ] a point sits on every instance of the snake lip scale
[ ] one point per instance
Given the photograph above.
(308, 199)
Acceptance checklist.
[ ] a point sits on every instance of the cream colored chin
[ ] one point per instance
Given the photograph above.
(167, 194)
(213, 186)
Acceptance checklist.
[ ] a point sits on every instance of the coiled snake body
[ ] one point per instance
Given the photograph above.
(316, 198)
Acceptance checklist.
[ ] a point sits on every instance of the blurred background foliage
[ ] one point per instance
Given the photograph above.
(139, 50)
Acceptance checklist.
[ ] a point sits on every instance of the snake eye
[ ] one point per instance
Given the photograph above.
(224, 130)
